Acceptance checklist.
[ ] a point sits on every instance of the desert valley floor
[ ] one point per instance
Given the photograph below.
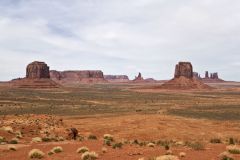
(145, 123)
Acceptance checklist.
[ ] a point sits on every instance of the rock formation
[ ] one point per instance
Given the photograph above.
(81, 76)
(116, 78)
(37, 76)
(138, 78)
(184, 69)
(206, 74)
(36, 70)
(184, 79)
(212, 78)
(196, 75)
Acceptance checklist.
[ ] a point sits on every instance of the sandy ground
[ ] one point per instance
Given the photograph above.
(124, 128)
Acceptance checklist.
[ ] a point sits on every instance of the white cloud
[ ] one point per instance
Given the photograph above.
(120, 36)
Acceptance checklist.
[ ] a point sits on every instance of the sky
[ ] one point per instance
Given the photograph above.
(121, 36)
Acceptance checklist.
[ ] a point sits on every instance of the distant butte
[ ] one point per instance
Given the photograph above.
(37, 76)
(184, 79)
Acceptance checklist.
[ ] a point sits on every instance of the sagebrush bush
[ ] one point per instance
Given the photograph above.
(82, 150)
(233, 149)
(36, 153)
(108, 137)
(89, 156)
(57, 149)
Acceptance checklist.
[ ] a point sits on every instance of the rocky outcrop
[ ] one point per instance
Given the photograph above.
(212, 78)
(36, 70)
(138, 78)
(196, 75)
(81, 76)
(37, 76)
(116, 78)
(184, 69)
(206, 74)
(184, 79)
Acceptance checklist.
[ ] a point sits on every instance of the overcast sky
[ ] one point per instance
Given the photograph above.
(121, 36)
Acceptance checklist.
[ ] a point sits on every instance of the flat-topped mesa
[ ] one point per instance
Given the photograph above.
(79, 76)
(37, 70)
(184, 69)
(116, 78)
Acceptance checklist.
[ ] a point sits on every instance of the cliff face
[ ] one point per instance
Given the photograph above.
(36, 70)
(116, 78)
(37, 76)
(184, 69)
(84, 76)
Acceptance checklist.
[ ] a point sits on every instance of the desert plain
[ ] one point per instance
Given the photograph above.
(144, 123)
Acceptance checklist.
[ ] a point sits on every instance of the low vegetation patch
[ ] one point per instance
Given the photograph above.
(82, 150)
(108, 137)
(117, 145)
(37, 139)
(89, 156)
(57, 149)
(225, 156)
(13, 141)
(195, 145)
(92, 137)
(151, 145)
(36, 154)
(233, 149)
